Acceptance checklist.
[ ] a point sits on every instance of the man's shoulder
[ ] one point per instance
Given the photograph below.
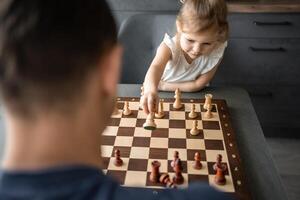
(193, 192)
(81, 183)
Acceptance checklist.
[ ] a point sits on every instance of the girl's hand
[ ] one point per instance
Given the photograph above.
(149, 101)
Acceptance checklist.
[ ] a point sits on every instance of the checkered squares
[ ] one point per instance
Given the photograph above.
(139, 147)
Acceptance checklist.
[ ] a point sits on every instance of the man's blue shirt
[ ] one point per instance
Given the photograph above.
(82, 183)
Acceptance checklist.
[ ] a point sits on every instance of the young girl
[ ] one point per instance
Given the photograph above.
(188, 60)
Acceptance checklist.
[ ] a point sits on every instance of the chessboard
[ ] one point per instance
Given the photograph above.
(139, 147)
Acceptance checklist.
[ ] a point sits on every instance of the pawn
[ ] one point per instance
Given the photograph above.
(126, 110)
(208, 113)
(197, 163)
(192, 114)
(160, 113)
(150, 123)
(155, 175)
(195, 130)
(178, 178)
(176, 156)
(177, 103)
(118, 161)
(220, 176)
(218, 163)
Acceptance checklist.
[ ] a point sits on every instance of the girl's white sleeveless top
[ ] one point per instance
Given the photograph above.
(179, 70)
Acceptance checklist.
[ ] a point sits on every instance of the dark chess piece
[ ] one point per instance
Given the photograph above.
(176, 156)
(118, 161)
(220, 171)
(165, 179)
(197, 163)
(154, 176)
(218, 162)
(178, 178)
(220, 176)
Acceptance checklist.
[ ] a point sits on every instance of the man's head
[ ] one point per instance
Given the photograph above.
(50, 50)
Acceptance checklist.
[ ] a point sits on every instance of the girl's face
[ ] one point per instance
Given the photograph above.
(197, 44)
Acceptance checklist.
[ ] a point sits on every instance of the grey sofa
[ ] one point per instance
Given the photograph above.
(140, 35)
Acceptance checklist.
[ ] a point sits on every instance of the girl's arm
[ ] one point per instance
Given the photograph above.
(190, 86)
(153, 76)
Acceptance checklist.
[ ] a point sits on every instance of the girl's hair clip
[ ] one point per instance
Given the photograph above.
(182, 1)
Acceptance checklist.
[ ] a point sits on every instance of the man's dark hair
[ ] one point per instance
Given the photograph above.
(47, 47)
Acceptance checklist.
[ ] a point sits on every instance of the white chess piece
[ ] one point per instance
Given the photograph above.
(160, 113)
(208, 98)
(177, 103)
(192, 114)
(195, 130)
(150, 123)
(208, 113)
(126, 110)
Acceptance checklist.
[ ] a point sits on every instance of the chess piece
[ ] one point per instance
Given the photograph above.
(218, 163)
(176, 156)
(195, 130)
(118, 161)
(154, 176)
(208, 98)
(160, 113)
(165, 179)
(150, 123)
(192, 114)
(178, 178)
(208, 113)
(220, 176)
(126, 110)
(177, 103)
(197, 163)
(220, 171)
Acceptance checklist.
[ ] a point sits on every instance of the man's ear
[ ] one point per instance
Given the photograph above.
(110, 70)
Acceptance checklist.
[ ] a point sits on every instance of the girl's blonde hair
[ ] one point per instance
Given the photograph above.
(204, 14)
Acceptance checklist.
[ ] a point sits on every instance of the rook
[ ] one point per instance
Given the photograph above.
(208, 98)
(208, 113)
(154, 176)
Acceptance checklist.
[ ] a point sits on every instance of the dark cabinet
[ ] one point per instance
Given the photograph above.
(263, 56)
